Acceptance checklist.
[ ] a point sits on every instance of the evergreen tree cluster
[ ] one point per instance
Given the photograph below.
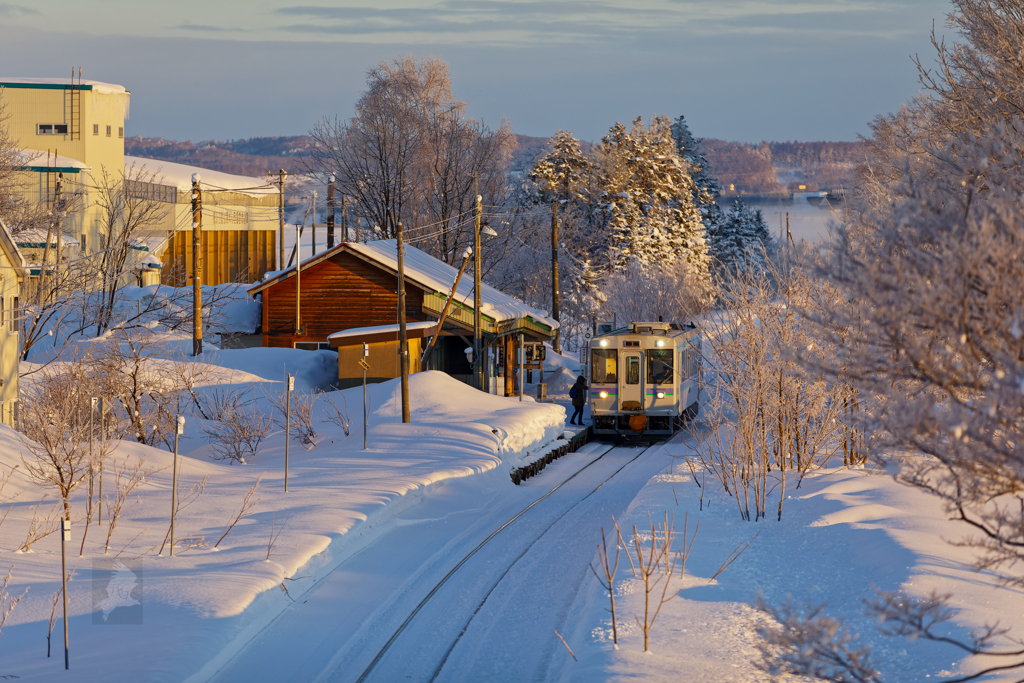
(646, 199)
(741, 241)
(641, 203)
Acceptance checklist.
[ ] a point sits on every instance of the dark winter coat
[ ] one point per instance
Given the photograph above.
(580, 398)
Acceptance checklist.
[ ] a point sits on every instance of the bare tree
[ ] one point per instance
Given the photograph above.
(127, 478)
(247, 505)
(7, 601)
(411, 154)
(770, 414)
(39, 528)
(56, 432)
(55, 600)
(808, 642)
(303, 428)
(931, 327)
(238, 430)
(655, 563)
(609, 567)
(130, 220)
(183, 501)
(275, 531)
(336, 415)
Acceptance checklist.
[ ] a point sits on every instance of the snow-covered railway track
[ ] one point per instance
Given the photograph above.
(537, 533)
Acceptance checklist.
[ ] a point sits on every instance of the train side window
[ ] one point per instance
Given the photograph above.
(605, 366)
(633, 370)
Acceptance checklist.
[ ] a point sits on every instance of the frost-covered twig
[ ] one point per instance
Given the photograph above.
(7, 601)
(247, 505)
(608, 567)
(275, 531)
(808, 642)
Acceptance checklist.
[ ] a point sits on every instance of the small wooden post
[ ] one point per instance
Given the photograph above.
(289, 386)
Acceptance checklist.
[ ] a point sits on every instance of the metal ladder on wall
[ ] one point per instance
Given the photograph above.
(73, 105)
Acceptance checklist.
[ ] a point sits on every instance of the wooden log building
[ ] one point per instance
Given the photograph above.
(354, 285)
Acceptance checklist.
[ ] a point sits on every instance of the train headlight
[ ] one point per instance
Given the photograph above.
(660, 343)
(603, 342)
(603, 394)
(660, 394)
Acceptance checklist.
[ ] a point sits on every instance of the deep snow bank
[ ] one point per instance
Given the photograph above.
(842, 533)
(199, 601)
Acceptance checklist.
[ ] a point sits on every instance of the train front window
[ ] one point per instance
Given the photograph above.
(633, 370)
(659, 366)
(606, 366)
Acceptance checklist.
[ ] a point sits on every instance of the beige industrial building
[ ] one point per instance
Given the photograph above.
(71, 132)
(12, 274)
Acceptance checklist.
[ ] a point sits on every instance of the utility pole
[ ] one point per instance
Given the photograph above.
(280, 213)
(554, 273)
(298, 280)
(314, 222)
(330, 212)
(403, 338)
(344, 220)
(478, 375)
(197, 267)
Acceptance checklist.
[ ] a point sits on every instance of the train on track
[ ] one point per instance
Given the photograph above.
(645, 379)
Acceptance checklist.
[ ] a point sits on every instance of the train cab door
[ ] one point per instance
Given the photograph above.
(631, 390)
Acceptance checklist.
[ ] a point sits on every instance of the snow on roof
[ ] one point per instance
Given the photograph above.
(95, 86)
(34, 159)
(382, 329)
(36, 237)
(434, 274)
(180, 176)
(439, 276)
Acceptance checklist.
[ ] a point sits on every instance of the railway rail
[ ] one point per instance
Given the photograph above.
(380, 655)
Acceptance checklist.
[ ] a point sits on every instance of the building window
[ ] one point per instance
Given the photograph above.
(314, 346)
(15, 316)
(85, 250)
(51, 129)
(95, 129)
(120, 131)
(108, 131)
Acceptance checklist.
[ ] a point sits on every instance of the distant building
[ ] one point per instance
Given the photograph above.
(240, 222)
(72, 133)
(354, 285)
(13, 270)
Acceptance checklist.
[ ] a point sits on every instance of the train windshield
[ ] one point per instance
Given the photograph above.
(606, 366)
(659, 366)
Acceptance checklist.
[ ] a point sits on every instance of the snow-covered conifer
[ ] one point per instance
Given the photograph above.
(560, 172)
(647, 199)
(742, 241)
(706, 188)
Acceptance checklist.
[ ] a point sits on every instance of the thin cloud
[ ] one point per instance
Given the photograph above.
(208, 28)
(9, 10)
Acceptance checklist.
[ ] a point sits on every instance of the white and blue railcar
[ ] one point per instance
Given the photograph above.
(645, 379)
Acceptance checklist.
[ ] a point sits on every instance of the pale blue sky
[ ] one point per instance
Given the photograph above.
(738, 69)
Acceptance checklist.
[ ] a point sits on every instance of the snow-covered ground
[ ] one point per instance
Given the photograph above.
(843, 533)
(196, 603)
(367, 534)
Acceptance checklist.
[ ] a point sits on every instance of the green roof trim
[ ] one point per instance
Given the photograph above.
(44, 86)
(52, 169)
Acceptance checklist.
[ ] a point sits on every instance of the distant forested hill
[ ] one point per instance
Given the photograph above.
(777, 168)
(770, 168)
(251, 156)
